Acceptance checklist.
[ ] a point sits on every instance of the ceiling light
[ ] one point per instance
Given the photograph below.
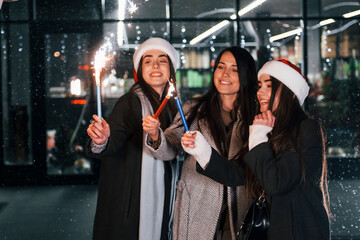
(224, 23)
(208, 32)
(326, 22)
(250, 7)
(351, 14)
(285, 34)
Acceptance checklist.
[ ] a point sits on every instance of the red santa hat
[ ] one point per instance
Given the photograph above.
(155, 43)
(289, 74)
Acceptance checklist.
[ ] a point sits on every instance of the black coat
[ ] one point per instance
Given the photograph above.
(118, 205)
(297, 211)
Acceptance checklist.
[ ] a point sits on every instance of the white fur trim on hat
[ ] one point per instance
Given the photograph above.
(159, 44)
(288, 76)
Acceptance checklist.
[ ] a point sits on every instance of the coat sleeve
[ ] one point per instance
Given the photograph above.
(279, 176)
(222, 170)
(124, 121)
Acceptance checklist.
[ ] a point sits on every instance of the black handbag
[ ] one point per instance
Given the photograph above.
(255, 225)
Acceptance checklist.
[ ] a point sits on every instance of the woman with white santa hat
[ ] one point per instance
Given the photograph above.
(286, 155)
(135, 188)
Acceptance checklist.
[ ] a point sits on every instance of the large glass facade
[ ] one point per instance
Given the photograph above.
(47, 84)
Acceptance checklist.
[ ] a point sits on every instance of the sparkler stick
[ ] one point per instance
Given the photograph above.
(99, 64)
(98, 90)
(177, 100)
(166, 99)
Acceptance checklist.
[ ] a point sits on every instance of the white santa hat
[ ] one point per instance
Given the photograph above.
(159, 44)
(290, 75)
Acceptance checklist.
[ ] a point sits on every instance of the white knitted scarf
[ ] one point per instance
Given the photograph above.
(152, 191)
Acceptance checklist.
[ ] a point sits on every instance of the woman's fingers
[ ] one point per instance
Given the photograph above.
(266, 118)
(150, 124)
(188, 139)
(271, 117)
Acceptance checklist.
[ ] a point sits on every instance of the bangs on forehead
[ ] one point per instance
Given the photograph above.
(151, 55)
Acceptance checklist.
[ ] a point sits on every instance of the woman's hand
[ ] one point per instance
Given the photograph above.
(194, 143)
(151, 126)
(266, 119)
(188, 140)
(98, 130)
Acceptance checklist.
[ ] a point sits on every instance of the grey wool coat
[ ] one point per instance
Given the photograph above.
(199, 199)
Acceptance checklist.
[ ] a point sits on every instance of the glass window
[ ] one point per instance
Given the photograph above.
(198, 54)
(125, 35)
(334, 99)
(124, 9)
(67, 81)
(333, 8)
(276, 40)
(197, 9)
(269, 8)
(16, 102)
(54, 10)
(18, 10)
(14, 10)
(335, 78)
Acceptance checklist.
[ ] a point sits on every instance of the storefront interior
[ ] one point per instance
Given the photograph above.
(48, 89)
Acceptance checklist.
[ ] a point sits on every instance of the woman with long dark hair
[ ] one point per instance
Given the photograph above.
(205, 209)
(134, 187)
(286, 155)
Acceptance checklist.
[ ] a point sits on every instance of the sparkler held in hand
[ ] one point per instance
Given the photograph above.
(177, 100)
(100, 60)
(166, 99)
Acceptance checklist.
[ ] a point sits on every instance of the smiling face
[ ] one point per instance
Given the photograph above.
(156, 69)
(226, 78)
(264, 93)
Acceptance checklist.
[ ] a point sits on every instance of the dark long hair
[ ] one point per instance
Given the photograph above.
(286, 132)
(208, 106)
(170, 108)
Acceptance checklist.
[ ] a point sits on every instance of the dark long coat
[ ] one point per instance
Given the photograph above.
(118, 204)
(297, 211)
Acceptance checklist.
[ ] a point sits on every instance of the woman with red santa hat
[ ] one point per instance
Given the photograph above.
(286, 156)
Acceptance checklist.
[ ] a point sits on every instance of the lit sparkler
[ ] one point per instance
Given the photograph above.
(166, 99)
(181, 112)
(101, 58)
(132, 8)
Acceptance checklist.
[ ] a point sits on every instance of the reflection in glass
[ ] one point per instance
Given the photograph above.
(325, 8)
(53, 10)
(68, 82)
(125, 9)
(336, 85)
(198, 9)
(16, 103)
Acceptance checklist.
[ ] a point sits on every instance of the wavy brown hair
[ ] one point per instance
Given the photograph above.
(208, 106)
(286, 132)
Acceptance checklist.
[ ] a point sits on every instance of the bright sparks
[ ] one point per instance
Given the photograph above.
(132, 8)
(171, 90)
(101, 57)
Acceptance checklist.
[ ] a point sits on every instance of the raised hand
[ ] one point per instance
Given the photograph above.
(265, 118)
(188, 140)
(98, 130)
(151, 126)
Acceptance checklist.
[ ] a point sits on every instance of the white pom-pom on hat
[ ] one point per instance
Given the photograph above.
(289, 75)
(158, 44)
